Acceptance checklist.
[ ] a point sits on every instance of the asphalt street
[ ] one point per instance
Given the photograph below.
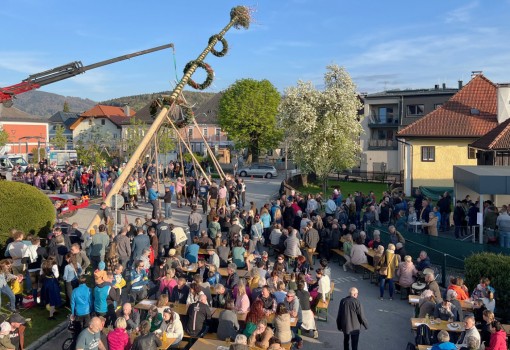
(389, 321)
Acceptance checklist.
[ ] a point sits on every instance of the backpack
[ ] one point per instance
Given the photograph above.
(423, 335)
(151, 256)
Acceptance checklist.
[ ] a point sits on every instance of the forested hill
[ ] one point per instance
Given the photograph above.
(139, 101)
(46, 104)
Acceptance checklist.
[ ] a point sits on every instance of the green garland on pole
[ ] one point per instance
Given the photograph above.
(210, 75)
(224, 50)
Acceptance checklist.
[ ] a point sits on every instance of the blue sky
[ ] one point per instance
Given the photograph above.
(383, 44)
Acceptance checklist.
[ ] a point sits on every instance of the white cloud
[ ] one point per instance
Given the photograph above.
(22, 62)
(461, 14)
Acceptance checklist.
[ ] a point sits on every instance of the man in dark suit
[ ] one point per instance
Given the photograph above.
(350, 319)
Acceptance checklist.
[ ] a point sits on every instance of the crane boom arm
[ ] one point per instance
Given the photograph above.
(65, 71)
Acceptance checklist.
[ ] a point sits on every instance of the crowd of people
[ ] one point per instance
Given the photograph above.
(104, 274)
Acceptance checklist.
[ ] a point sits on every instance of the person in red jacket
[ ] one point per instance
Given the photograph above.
(498, 337)
(118, 339)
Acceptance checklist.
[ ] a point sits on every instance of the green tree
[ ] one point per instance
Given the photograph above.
(134, 135)
(66, 108)
(323, 126)
(38, 151)
(60, 140)
(4, 137)
(95, 146)
(247, 112)
(166, 140)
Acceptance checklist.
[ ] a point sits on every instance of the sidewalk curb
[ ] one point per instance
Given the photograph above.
(46, 337)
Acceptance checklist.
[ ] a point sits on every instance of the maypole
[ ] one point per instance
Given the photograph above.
(240, 17)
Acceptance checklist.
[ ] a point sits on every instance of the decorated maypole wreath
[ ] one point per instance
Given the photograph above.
(240, 17)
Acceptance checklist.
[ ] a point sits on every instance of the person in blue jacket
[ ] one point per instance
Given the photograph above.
(139, 281)
(81, 303)
(153, 196)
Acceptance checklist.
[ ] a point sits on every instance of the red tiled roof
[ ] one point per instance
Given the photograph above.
(496, 139)
(454, 118)
(115, 114)
(106, 111)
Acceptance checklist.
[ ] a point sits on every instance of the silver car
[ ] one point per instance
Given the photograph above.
(264, 170)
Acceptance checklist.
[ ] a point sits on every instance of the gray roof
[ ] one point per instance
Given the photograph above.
(64, 118)
(486, 179)
(413, 92)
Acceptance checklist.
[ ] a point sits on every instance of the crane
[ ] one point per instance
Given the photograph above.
(65, 71)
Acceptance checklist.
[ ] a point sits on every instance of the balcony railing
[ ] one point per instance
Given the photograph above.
(387, 120)
(382, 145)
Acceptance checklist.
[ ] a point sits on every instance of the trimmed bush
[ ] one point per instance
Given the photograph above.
(497, 268)
(25, 208)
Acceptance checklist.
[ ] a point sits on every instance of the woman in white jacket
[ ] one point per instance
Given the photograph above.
(172, 325)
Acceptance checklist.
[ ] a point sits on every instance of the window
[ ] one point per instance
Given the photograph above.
(217, 132)
(415, 110)
(471, 153)
(428, 153)
(90, 121)
(385, 115)
(190, 132)
(204, 132)
(103, 122)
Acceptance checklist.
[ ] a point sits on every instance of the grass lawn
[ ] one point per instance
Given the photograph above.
(346, 187)
(39, 324)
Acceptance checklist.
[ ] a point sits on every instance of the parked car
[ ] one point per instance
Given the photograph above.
(264, 170)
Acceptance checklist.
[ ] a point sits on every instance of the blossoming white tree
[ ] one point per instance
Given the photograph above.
(323, 126)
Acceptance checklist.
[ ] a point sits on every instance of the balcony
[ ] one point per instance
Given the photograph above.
(382, 145)
(382, 121)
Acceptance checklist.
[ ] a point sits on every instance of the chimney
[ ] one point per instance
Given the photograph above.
(460, 84)
(127, 110)
(444, 86)
(436, 87)
(503, 102)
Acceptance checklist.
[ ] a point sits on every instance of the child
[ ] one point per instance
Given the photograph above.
(5, 340)
(17, 289)
(325, 268)
(118, 281)
(100, 273)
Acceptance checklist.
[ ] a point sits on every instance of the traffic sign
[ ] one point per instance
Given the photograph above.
(117, 201)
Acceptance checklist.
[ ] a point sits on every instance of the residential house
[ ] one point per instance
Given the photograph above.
(108, 120)
(442, 138)
(388, 112)
(493, 148)
(26, 132)
(64, 119)
(206, 117)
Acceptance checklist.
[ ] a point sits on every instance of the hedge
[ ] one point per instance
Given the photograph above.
(25, 208)
(497, 268)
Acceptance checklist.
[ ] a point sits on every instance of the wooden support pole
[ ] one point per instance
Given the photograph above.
(213, 157)
(189, 150)
(183, 172)
(160, 118)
